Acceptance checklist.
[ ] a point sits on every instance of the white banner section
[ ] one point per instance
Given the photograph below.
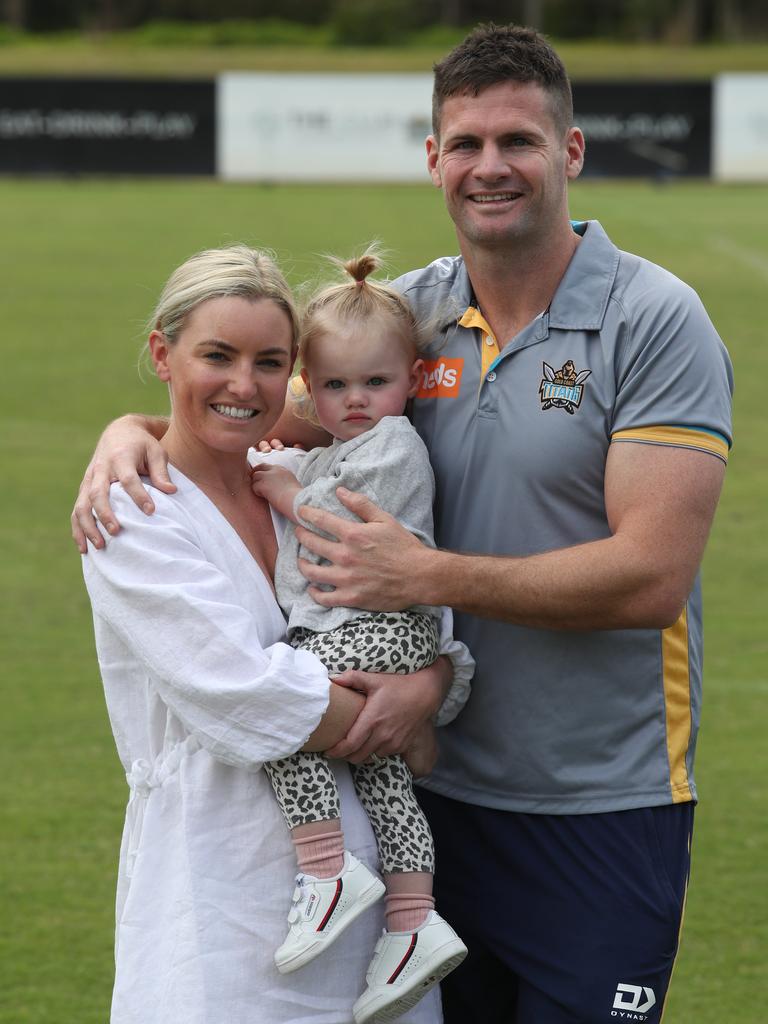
(740, 128)
(367, 127)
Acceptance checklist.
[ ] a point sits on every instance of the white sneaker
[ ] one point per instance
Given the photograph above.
(405, 966)
(323, 908)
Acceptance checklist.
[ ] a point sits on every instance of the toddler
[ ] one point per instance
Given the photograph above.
(360, 356)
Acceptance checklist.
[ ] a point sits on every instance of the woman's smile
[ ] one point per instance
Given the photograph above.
(233, 412)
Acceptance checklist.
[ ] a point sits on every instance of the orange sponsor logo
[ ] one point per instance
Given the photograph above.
(440, 378)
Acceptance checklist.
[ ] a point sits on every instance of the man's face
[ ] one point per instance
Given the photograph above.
(503, 165)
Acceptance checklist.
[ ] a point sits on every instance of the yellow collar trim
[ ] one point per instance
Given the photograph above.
(489, 346)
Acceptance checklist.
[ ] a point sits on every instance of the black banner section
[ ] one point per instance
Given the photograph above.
(112, 126)
(645, 129)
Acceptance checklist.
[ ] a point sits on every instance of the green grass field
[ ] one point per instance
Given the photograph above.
(82, 262)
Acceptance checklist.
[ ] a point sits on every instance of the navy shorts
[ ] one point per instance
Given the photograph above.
(569, 919)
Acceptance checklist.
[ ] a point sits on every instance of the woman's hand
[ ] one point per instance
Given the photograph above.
(395, 710)
(127, 448)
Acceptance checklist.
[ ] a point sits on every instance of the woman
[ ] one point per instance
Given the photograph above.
(201, 692)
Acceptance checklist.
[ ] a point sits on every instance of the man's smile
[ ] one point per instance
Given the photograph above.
(494, 197)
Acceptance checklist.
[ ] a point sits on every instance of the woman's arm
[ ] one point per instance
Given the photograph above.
(156, 595)
(344, 706)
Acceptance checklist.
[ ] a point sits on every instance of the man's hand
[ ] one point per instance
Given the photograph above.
(126, 449)
(374, 562)
(395, 710)
(277, 485)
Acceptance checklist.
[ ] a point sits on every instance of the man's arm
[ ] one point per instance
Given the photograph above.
(660, 502)
(294, 430)
(128, 447)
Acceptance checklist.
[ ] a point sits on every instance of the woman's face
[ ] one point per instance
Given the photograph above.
(227, 371)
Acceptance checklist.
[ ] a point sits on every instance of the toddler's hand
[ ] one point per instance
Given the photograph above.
(274, 444)
(277, 485)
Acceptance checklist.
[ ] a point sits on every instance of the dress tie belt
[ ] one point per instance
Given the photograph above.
(142, 779)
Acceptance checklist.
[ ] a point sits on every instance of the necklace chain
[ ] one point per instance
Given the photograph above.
(221, 487)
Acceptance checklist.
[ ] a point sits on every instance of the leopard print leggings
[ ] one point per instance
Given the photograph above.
(304, 783)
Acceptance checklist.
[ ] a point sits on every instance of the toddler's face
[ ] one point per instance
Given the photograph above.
(356, 380)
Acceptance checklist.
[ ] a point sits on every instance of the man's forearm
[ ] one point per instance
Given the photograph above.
(639, 577)
(599, 585)
(154, 425)
(659, 506)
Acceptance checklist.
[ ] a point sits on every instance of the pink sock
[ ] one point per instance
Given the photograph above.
(405, 911)
(320, 854)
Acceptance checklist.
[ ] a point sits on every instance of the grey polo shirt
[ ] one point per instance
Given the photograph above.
(563, 722)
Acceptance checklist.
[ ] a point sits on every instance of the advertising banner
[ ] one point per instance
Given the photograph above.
(645, 129)
(357, 127)
(372, 127)
(740, 149)
(112, 126)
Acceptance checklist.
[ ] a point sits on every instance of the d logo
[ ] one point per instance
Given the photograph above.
(628, 997)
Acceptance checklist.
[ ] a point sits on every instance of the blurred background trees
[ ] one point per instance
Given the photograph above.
(377, 22)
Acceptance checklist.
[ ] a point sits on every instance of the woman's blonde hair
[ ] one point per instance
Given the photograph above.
(232, 270)
(357, 301)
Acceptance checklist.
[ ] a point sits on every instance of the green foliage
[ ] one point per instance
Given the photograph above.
(440, 38)
(8, 35)
(383, 22)
(266, 32)
(185, 49)
(376, 22)
(373, 22)
(82, 264)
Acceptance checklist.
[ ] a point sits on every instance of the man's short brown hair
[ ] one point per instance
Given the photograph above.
(492, 54)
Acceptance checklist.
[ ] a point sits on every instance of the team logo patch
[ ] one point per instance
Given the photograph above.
(440, 378)
(562, 389)
(632, 1002)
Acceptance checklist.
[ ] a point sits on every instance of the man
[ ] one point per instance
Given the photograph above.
(576, 405)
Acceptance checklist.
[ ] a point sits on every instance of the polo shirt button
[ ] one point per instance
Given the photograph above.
(489, 341)
(491, 377)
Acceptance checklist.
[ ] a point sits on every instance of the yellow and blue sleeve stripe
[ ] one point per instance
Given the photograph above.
(697, 438)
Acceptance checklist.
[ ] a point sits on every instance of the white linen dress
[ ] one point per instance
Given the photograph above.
(200, 692)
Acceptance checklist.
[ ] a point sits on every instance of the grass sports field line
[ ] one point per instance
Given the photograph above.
(726, 247)
(82, 262)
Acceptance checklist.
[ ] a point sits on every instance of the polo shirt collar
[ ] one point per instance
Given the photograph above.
(582, 296)
(460, 297)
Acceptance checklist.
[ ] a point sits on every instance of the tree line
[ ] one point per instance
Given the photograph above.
(390, 21)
